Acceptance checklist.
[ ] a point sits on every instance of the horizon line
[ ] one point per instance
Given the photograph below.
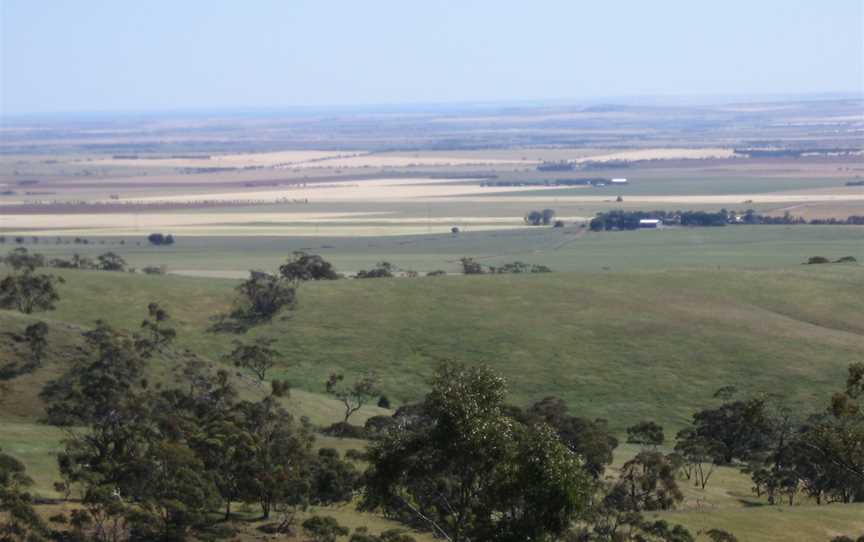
(644, 100)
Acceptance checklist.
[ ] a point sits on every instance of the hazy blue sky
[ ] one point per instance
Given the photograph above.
(86, 55)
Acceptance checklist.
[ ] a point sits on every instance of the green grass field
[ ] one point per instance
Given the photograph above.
(635, 342)
(621, 345)
(562, 249)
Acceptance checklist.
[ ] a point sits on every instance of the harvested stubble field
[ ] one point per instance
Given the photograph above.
(314, 202)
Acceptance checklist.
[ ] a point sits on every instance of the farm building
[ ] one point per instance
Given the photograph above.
(650, 223)
(620, 181)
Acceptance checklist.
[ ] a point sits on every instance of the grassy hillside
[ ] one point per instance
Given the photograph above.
(619, 345)
(626, 346)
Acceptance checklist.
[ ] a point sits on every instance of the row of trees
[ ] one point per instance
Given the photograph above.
(629, 220)
(430, 458)
(787, 456)
(540, 218)
(160, 239)
(817, 260)
(472, 267)
(29, 291)
(20, 240)
(22, 259)
(465, 465)
(300, 267)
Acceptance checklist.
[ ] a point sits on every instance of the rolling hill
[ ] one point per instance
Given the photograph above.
(624, 346)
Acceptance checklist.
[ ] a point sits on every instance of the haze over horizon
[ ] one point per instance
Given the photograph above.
(96, 55)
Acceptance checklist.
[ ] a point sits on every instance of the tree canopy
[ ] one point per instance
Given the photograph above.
(302, 266)
(467, 471)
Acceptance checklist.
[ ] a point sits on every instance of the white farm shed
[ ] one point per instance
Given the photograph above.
(650, 223)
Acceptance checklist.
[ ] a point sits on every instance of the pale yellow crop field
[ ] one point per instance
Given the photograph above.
(354, 193)
(349, 160)
(318, 159)
(259, 159)
(402, 161)
(726, 199)
(387, 190)
(130, 220)
(526, 155)
(286, 225)
(662, 154)
(290, 222)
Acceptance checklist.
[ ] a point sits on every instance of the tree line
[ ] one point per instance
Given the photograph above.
(472, 267)
(22, 260)
(629, 220)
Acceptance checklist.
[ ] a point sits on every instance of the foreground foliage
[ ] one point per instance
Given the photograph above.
(468, 471)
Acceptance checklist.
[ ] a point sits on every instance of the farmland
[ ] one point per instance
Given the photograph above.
(431, 271)
(563, 249)
(628, 326)
(111, 181)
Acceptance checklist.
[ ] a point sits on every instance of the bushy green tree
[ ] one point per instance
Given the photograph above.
(20, 258)
(138, 473)
(829, 457)
(381, 270)
(736, 430)
(157, 334)
(105, 377)
(35, 335)
(589, 439)
(260, 298)
(302, 266)
(647, 433)
(719, 535)
(466, 470)
(470, 266)
(227, 448)
(18, 519)
(258, 357)
(29, 292)
(281, 460)
(646, 482)
(333, 480)
(110, 261)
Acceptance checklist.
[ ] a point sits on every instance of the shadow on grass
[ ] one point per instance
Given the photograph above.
(747, 503)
